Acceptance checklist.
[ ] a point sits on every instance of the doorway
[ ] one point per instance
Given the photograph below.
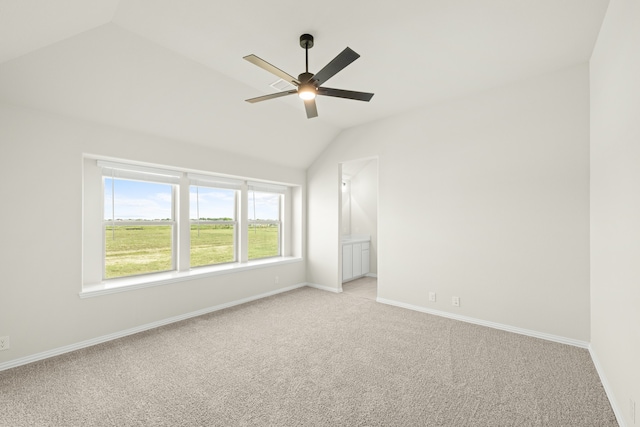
(359, 225)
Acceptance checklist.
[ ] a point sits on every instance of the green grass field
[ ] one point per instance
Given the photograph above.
(147, 248)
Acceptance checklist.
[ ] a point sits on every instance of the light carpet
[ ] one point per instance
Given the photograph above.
(311, 358)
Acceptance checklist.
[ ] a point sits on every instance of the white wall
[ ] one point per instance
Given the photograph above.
(485, 198)
(615, 204)
(346, 206)
(364, 208)
(40, 249)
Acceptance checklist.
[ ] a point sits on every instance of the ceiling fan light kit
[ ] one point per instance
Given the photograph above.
(307, 91)
(309, 85)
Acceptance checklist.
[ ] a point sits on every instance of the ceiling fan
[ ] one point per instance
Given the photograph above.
(309, 84)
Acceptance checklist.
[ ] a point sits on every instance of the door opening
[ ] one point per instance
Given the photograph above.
(359, 225)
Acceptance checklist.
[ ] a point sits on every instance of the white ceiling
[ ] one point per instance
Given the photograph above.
(175, 69)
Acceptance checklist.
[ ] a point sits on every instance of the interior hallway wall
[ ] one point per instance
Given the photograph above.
(615, 204)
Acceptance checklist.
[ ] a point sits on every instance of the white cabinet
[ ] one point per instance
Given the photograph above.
(347, 262)
(355, 260)
(365, 258)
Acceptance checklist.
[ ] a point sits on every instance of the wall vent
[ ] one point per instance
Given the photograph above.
(282, 85)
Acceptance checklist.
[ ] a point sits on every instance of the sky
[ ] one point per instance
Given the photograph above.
(138, 200)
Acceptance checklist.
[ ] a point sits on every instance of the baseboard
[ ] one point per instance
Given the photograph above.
(508, 328)
(88, 343)
(371, 275)
(607, 388)
(324, 288)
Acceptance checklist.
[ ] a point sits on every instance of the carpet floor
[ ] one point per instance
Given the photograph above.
(311, 358)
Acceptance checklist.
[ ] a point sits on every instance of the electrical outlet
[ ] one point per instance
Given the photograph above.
(4, 343)
(432, 296)
(455, 301)
(277, 280)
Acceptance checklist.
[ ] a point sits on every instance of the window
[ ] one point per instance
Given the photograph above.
(213, 206)
(145, 224)
(264, 234)
(139, 226)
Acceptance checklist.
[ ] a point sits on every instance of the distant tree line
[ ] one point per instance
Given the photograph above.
(216, 219)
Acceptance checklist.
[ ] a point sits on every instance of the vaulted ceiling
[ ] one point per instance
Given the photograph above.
(175, 69)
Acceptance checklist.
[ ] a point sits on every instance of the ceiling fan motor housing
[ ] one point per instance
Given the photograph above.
(305, 77)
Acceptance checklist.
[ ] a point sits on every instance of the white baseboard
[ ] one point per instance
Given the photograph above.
(98, 340)
(371, 275)
(607, 388)
(324, 288)
(508, 328)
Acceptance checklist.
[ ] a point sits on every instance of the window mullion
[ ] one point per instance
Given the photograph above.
(183, 225)
(243, 229)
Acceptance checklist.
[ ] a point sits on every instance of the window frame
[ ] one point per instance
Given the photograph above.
(277, 222)
(234, 222)
(113, 222)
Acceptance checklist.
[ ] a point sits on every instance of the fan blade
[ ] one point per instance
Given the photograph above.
(343, 59)
(271, 96)
(310, 107)
(349, 94)
(272, 69)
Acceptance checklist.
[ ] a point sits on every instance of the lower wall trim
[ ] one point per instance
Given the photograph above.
(88, 343)
(323, 288)
(508, 328)
(607, 388)
(371, 275)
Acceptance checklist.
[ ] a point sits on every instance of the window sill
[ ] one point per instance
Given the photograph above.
(147, 281)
